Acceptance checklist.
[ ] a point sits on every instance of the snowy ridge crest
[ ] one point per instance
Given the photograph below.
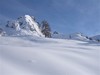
(74, 36)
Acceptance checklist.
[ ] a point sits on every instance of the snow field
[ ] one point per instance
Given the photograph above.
(31, 56)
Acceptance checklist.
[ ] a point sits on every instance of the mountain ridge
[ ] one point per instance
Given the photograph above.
(27, 26)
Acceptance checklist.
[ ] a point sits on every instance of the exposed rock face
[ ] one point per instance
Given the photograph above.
(2, 33)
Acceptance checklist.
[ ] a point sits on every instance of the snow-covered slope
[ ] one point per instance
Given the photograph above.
(40, 56)
(97, 37)
(78, 36)
(25, 25)
(74, 36)
(60, 36)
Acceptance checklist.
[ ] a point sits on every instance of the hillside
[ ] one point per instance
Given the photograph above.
(96, 37)
(42, 56)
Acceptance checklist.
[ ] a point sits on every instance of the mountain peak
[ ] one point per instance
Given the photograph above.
(24, 25)
(27, 16)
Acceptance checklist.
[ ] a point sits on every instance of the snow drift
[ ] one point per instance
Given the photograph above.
(25, 56)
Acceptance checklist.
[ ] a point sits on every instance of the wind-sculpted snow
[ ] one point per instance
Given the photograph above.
(40, 56)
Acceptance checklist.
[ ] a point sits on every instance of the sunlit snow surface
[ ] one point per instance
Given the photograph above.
(40, 56)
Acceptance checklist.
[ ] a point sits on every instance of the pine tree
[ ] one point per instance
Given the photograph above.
(46, 30)
(90, 39)
(55, 32)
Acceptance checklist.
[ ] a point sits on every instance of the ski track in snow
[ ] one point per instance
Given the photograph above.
(24, 56)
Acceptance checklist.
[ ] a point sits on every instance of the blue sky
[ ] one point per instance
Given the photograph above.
(64, 16)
